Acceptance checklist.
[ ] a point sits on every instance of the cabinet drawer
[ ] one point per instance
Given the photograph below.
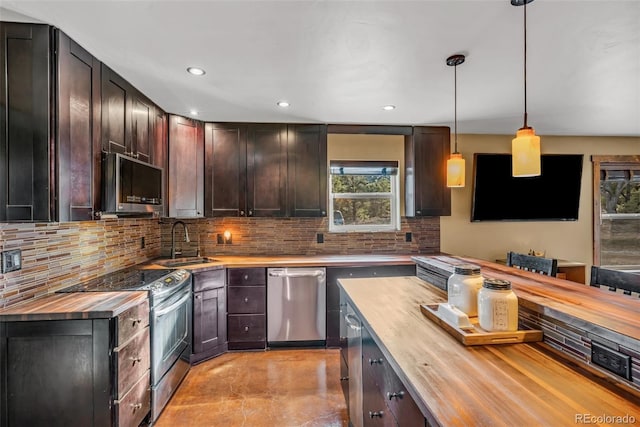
(247, 300)
(246, 327)
(132, 321)
(135, 405)
(375, 411)
(246, 276)
(205, 280)
(132, 361)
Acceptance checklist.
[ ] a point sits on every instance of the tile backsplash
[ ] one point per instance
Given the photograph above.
(57, 255)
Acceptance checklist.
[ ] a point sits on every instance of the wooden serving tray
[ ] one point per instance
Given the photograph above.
(477, 335)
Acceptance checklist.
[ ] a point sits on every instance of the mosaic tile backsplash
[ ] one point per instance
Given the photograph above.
(57, 255)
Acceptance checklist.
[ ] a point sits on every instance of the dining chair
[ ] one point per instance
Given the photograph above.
(536, 264)
(615, 280)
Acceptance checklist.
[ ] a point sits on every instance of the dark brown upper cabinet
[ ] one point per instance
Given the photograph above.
(78, 131)
(26, 123)
(426, 152)
(225, 169)
(266, 170)
(127, 118)
(186, 167)
(307, 170)
(160, 150)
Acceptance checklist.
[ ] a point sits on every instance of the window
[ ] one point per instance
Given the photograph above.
(617, 211)
(364, 196)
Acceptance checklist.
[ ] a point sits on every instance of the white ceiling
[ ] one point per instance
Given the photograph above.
(341, 61)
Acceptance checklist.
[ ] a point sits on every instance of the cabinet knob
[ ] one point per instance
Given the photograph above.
(135, 322)
(246, 329)
(241, 213)
(250, 212)
(375, 361)
(376, 414)
(344, 378)
(245, 277)
(197, 296)
(246, 299)
(323, 212)
(136, 406)
(418, 212)
(398, 395)
(136, 359)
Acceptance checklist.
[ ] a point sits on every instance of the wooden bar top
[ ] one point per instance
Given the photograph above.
(495, 385)
(79, 305)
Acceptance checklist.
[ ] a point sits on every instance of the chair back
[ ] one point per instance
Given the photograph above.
(615, 280)
(536, 264)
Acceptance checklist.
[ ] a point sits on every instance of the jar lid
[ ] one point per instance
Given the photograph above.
(467, 269)
(496, 284)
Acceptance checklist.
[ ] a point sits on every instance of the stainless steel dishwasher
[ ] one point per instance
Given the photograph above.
(296, 306)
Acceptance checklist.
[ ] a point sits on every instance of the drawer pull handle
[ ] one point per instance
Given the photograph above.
(376, 414)
(245, 277)
(344, 378)
(136, 321)
(375, 361)
(398, 395)
(136, 406)
(246, 329)
(246, 299)
(136, 359)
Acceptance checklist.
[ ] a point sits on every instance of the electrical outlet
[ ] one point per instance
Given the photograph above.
(11, 260)
(611, 360)
(142, 245)
(408, 237)
(320, 238)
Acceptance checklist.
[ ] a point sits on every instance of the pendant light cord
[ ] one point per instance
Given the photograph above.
(525, 65)
(455, 108)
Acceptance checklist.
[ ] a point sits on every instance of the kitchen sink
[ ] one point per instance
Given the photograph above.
(184, 262)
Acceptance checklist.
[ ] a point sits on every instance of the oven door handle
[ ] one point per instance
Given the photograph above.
(172, 307)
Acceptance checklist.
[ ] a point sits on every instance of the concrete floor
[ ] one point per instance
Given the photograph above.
(283, 388)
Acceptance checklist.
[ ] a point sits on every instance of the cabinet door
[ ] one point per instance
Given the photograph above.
(186, 167)
(225, 169)
(78, 138)
(266, 170)
(426, 152)
(116, 105)
(307, 170)
(142, 118)
(209, 320)
(25, 123)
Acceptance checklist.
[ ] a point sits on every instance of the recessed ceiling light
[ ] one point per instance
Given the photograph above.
(193, 112)
(283, 104)
(196, 71)
(389, 107)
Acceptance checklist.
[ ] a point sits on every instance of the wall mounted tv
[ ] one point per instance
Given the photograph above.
(552, 196)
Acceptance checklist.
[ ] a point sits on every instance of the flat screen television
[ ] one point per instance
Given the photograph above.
(552, 196)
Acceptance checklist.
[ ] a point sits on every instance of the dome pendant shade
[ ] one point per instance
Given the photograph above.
(455, 171)
(525, 153)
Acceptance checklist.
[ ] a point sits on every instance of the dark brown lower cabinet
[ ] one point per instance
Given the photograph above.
(67, 373)
(209, 315)
(247, 302)
(385, 401)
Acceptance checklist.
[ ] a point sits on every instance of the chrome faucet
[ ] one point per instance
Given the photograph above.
(173, 237)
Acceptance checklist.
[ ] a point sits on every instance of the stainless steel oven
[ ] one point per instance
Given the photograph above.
(170, 322)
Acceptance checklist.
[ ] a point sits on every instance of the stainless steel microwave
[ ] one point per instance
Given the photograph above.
(130, 186)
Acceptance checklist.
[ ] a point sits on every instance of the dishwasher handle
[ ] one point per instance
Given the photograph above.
(281, 273)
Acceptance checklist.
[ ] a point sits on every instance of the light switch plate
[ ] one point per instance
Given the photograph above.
(11, 260)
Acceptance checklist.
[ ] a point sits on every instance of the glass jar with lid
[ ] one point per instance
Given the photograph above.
(497, 306)
(463, 286)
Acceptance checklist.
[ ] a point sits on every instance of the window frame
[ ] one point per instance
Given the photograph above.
(393, 196)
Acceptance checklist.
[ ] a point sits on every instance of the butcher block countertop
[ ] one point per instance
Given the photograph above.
(493, 385)
(79, 305)
(234, 261)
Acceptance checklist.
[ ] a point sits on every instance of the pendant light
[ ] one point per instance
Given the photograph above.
(455, 164)
(525, 147)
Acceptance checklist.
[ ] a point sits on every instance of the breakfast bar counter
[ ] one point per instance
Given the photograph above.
(526, 384)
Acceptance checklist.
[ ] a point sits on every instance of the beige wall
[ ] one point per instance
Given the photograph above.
(571, 240)
(369, 147)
